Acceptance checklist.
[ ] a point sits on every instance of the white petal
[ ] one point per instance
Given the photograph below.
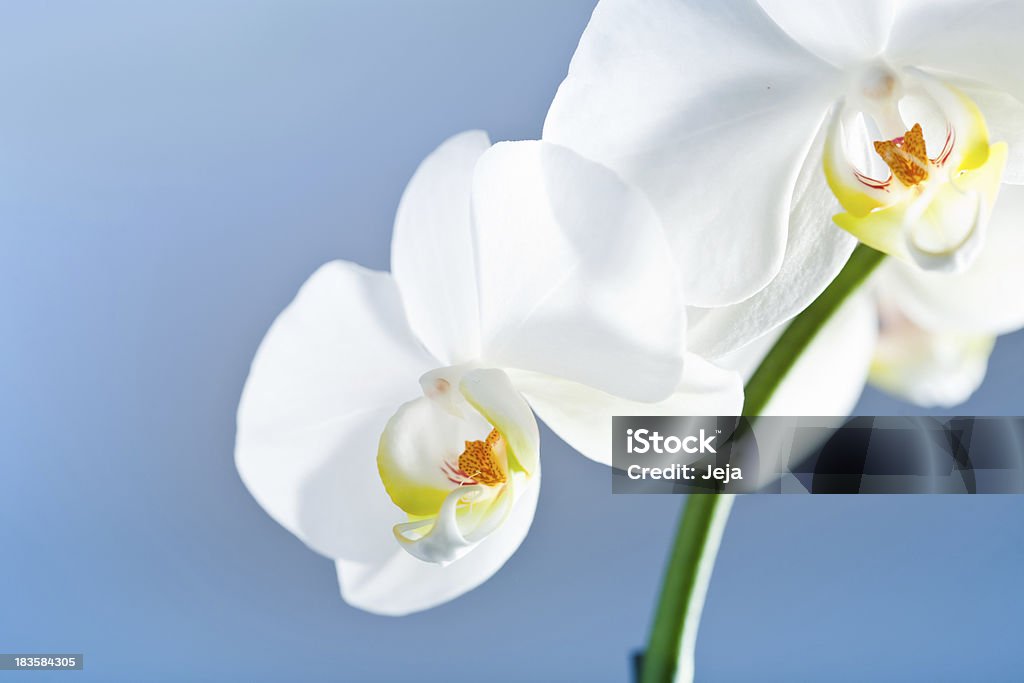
(492, 393)
(575, 277)
(1004, 115)
(968, 38)
(333, 367)
(815, 253)
(709, 108)
(432, 250)
(582, 416)
(930, 368)
(400, 584)
(839, 31)
(829, 377)
(985, 298)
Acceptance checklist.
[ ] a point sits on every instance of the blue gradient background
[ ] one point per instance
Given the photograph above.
(169, 175)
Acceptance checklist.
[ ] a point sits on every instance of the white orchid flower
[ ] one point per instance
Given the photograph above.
(938, 328)
(386, 420)
(756, 128)
(930, 368)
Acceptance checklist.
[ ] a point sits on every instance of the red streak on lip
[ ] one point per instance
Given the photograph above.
(947, 149)
(455, 475)
(872, 183)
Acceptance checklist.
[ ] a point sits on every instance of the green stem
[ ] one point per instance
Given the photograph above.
(801, 331)
(670, 649)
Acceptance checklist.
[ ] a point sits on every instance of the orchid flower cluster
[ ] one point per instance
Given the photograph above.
(706, 171)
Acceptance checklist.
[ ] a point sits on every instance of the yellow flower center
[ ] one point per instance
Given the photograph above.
(930, 212)
(483, 462)
(906, 156)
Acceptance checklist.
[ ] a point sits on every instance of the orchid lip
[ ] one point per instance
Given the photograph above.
(457, 459)
(928, 209)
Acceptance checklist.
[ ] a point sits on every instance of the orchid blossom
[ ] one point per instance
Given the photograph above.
(929, 368)
(387, 418)
(938, 329)
(771, 136)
